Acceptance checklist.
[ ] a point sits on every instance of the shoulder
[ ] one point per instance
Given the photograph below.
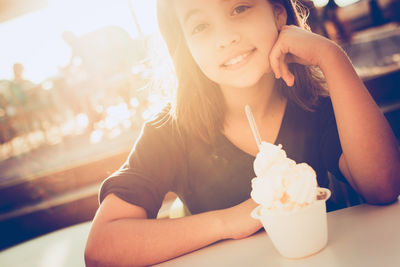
(161, 133)
(160, 144)
(161, 118)
(162, 124)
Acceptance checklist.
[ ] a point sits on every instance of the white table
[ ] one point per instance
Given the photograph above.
(362, 235)
(62, 248)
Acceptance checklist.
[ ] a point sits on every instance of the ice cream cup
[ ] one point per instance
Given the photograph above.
(299, 233)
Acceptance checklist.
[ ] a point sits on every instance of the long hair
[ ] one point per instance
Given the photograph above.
(199, 106)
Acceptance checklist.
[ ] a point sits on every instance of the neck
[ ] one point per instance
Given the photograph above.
(261, 97)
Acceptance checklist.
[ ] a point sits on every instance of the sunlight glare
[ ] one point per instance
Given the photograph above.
(82, 120)
(340, 3)
(343, 3)
(134, 102)
(35, 39)
(320, 3)
(47, 85)
(96, 136)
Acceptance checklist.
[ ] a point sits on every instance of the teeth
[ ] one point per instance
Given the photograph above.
(236, 59)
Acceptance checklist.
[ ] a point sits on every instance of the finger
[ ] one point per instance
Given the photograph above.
(274, 56)
(290, 75)
(290, 59)
(287, 75)
(289, 79)
(284, 68)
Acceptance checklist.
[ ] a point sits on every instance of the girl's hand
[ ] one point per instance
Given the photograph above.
(237, 221)
(296, 45)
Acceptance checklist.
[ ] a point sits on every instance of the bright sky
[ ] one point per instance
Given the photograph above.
(35, 40)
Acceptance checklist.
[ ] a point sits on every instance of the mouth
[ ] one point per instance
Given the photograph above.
(238, 60)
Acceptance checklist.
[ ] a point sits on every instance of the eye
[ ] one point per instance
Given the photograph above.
(199, 28)
(240, 9)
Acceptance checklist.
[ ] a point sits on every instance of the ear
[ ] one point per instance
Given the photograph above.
(280, 15)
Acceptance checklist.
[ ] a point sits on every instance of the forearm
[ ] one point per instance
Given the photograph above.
(138, 242)
(369, 146)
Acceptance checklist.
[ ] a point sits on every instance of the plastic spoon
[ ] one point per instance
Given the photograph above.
(253, 126)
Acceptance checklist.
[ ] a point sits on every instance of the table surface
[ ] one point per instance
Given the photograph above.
(362, 235)
(62, 248)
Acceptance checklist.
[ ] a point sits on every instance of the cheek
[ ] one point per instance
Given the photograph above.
(266, 28)
(202, 57)
(267, 39)
(197, 55)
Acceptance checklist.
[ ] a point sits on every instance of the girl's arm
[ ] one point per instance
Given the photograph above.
(121, 234)
(371, 158)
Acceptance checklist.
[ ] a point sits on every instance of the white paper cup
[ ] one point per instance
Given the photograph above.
(300, 233)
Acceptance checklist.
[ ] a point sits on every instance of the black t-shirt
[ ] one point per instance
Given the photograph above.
(210, 177)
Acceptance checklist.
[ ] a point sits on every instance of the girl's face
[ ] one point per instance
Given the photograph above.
(230, 39)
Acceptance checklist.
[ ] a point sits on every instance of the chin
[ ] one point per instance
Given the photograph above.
(245, 81)
(240, 84)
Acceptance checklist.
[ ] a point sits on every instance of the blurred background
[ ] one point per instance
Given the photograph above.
(79, 77)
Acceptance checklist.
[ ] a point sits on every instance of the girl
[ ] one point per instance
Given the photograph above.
(229, 53)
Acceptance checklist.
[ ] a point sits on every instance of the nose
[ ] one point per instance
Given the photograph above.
(227, 39)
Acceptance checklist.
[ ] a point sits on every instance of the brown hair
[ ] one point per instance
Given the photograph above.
(199, 106)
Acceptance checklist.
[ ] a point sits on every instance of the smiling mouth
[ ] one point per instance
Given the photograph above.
(236, 61)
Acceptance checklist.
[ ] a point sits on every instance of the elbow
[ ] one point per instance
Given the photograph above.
(90, 256)
(382, 199)
(95, 252)
(99, 253)
(90, 262)
(93, 259)
(388, 190)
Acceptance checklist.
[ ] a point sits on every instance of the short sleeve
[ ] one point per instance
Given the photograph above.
(330, 146)
(151, 168)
